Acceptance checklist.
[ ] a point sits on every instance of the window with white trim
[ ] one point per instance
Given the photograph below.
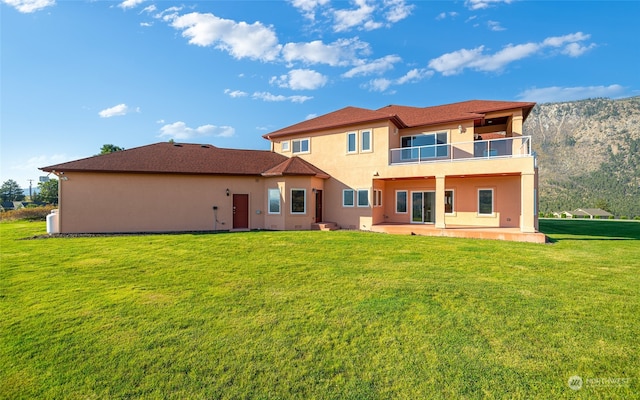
(274, 201)
(300, 145)
(352, 142)
(448, 202)
(298, 201)
(284, 146)
(365, 141)
(348, 198)
(485, 201)
(401, 201)
(377, 198)
(363, 197)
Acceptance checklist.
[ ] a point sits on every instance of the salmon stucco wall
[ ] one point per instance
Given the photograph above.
(108, 202)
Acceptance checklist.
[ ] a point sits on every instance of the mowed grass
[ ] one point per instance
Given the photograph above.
(343, 314)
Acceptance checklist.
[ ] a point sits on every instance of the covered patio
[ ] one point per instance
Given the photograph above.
(468, 232)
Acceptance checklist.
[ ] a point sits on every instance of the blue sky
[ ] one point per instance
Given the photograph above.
(79, 74)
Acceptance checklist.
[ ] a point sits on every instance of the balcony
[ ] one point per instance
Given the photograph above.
(511, 147)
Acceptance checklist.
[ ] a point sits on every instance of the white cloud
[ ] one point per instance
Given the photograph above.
(235, 93)
(180, 130)
(373, 67)
(240, 39)
(126, 4)
(557, 93)
(397, 10)
(33, 163)
(149, 9)
(444, 15)
(308, 7)
(300, 79)
(168, 14)
(310, 116)
(576, 49)
(481, 4)
(455, 62)
(146, 24)
(363, 15)
(29, 6)
(495, 26)
(266, 96)
(115, 111)
(383, 84)
(342, 52)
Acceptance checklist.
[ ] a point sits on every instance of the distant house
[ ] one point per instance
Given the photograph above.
(592, 213)
(443, 168)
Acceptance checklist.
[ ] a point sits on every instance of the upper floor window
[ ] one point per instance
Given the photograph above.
(428, 145)
(365, 141)
(352, 142)
(284, 146)
(300, 145)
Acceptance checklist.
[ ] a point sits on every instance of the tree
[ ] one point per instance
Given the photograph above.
(10, 191)
(109, 148)
(48, 191)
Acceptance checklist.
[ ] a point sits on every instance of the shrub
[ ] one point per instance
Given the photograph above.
(624, 217)
(611, 217)
(636, 218)
(27, 213)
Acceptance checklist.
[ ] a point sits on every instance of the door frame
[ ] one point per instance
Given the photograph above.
(319, 205)
(234, 211)
(433, 206)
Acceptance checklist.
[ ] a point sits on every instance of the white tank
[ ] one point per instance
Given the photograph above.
(52, 222)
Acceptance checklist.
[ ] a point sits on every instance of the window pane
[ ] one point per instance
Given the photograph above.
(351, 142)
(298, 201)
(347, 198)
(406, 141)
(274, 201)
(401, 202)
(485, 201)
(285, 146)
(363, 198)
(296, 146)
(304, 145)
(366, 140)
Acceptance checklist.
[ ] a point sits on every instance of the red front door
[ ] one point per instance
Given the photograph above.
(240, 211)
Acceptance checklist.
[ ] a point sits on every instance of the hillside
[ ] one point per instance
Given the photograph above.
(588, 154)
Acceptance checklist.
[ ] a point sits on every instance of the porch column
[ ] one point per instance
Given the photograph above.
(528, 202)
(440, 206)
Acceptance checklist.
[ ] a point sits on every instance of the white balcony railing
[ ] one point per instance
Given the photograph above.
(518, 146)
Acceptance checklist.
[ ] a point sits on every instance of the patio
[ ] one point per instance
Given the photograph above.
(468, 232)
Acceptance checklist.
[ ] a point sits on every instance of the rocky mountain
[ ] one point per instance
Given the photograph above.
(588, 154)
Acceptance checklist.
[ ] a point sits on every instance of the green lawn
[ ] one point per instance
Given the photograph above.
(320, 315)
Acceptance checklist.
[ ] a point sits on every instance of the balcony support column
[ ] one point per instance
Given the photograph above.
(440, 199)
(528, 203)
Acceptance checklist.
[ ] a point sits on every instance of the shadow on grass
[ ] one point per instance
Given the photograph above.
(576, 229)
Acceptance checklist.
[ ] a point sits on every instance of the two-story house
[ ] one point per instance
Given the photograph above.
(462, 169)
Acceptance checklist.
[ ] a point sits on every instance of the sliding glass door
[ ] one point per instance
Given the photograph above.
(423, 207)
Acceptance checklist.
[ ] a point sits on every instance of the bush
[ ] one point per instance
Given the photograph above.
(637, 218)
(611, 217)
(624, 217)
(27, 213)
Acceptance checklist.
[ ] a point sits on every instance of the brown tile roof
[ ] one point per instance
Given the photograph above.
(179, 159)
(296, 166)
(343, 117)
(403, 116)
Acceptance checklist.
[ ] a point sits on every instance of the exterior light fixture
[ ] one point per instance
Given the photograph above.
(227, 192)
(460, 130)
